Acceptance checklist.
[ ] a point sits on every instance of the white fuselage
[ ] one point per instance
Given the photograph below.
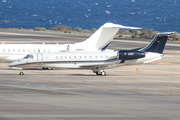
(80, 60)
(12, 52)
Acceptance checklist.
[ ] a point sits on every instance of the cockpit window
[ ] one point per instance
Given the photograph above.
(28, 57)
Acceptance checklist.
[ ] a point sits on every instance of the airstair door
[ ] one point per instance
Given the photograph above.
(39, 59)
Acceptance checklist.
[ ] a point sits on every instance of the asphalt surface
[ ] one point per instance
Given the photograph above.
(150, 93)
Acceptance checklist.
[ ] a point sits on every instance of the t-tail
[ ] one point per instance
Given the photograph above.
(157, 44)
(103, 36)
(150, 52)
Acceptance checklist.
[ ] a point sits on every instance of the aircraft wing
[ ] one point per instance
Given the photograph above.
(95, 65)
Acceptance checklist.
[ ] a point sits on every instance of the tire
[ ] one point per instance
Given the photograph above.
(98, 73)
(21, 73)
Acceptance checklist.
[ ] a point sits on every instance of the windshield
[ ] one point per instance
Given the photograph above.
(28, 57)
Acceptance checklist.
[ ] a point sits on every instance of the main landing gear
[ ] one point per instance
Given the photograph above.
(103, 73)
(47, 68)
(99, 71)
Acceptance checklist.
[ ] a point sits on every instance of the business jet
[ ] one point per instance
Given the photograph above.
(96, 42)
(96, 61)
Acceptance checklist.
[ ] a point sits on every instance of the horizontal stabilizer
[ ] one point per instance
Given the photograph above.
(111, 25)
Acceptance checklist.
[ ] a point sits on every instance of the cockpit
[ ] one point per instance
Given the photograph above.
(28, 57)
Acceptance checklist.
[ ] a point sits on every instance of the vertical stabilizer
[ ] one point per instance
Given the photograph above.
(157, 44)
(102, 37)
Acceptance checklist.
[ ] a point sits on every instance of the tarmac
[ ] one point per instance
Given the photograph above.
(150, 93)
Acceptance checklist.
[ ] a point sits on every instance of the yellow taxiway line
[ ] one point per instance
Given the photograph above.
(165, 63)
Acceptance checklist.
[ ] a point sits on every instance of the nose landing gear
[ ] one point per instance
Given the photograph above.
(21, 73)
(21, 70)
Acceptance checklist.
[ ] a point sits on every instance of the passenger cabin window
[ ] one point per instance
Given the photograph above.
(90, 57)
(8, 50)
(13, 50)
(69, 57)
(34, 50)
(29, 50)
(85, 57)
(56, 57)
(74, 57)
(3, 50)
(38, 50)
(18, 50)
(23, 50)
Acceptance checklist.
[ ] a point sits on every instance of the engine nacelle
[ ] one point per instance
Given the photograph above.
(130, 54)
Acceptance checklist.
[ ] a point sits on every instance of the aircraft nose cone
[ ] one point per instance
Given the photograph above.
(13, 63)
(10, 64)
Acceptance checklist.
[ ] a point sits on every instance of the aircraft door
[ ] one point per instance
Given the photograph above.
(39, 59)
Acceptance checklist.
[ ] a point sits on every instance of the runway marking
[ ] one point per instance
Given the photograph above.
(164, 63)
(55, 81)
(141, 92)
(166, 92)
(112, 80)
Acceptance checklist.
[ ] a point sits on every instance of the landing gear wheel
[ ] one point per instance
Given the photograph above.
(98, 73)
(103, 73)
(47, 68)
(21, 73)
